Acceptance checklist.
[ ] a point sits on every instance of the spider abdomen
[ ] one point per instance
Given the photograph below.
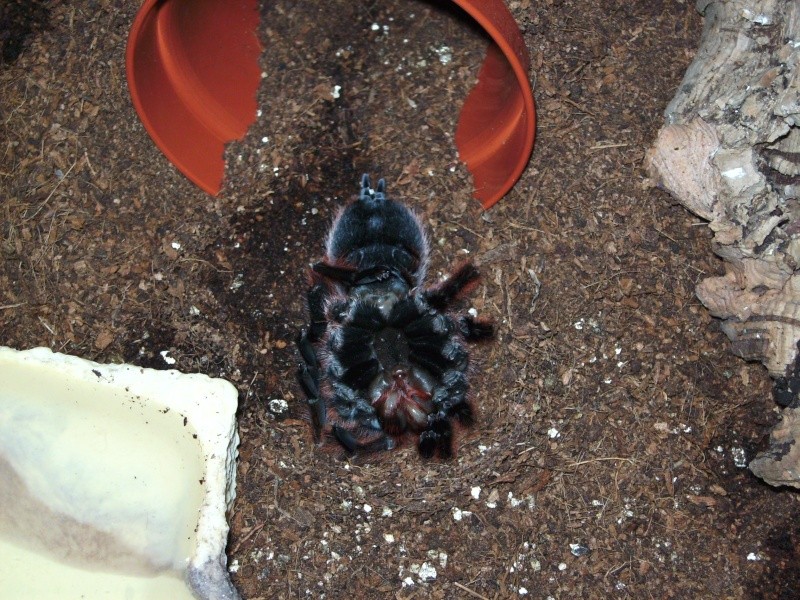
(376, 231)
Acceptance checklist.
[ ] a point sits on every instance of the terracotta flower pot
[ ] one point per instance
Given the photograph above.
(193, 74)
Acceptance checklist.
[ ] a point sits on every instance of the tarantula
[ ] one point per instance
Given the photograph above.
(383, 358)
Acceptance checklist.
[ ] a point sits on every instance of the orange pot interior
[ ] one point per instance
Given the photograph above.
(193, 73)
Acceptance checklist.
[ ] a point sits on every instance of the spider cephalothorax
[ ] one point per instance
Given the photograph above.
(383, 357)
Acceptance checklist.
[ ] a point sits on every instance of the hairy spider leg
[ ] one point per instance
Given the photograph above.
(475, 330)
(355, 362)
(461, 282)
(431, 343)
(438, 435)
(352, 443)
(342, 273)
(308, 374)
(354, 424)
(432, 348)
(449, 401)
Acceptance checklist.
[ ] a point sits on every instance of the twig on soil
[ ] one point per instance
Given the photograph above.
(53, 191)
(7, 306)
(600, 459)
(583, 109)
(250, 387)
(472, 231)
(89, 163)
(665, 235)
(210, 264)
(504, 288)
(256, 528)
(613, 570)
(469, 591)
(606, 146)
(537, 287)
(47, 325)
(310, 106)
(518, 226)
(613, 276)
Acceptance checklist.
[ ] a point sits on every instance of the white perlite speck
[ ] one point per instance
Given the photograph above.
(754, 556)
(445, 54)
(739, 457)
(278, 406)
(459, 514)
(427, 572)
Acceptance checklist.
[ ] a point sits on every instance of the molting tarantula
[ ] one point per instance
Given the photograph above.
(383, 357)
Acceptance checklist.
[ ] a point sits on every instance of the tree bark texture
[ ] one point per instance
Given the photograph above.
(730, 153)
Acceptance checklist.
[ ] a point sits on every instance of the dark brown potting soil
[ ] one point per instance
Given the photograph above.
(613, 424)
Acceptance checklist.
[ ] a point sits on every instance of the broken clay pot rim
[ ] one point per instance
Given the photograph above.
(193, 74)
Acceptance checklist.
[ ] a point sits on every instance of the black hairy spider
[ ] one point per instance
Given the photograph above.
(382, 356)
